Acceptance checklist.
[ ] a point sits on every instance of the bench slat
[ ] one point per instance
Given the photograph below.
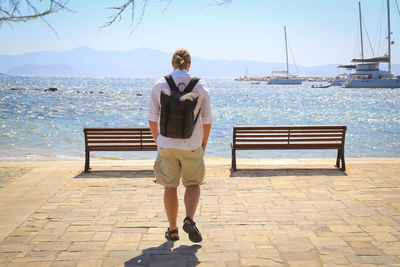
(133, 137)
(287, 132)
(124, 149)
(290, 140)
(121, 147)
(286, 146)
(117, 128)
(291, 135)
(117, 132)
(289, 127)
(119, 141)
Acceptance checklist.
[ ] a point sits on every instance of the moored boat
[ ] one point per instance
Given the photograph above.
(283, 77)
(367, 73)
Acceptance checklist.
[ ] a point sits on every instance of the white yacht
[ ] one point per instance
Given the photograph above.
(367, 73)
(279, 77)
(283, 77)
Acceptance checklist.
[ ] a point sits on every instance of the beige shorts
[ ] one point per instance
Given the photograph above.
(172, 163)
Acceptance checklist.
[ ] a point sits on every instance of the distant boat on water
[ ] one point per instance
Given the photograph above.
(283, 77)
(338, 81)
(320, 86)
(367, 73)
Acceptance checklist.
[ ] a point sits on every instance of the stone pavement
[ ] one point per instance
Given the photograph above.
(294, 212)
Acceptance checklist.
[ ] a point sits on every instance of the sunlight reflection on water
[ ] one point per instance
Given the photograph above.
(38, 125)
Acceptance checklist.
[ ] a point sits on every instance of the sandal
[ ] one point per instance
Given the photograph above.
(189, 226)
(172, 235)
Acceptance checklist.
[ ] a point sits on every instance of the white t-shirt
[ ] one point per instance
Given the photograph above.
(203, 104)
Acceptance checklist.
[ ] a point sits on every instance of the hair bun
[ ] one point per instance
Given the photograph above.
(181, 58)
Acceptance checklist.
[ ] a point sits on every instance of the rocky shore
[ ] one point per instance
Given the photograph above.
(54, 89)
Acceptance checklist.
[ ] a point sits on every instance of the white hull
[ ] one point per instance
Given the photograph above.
(338, 82)
(373, 83)
(285, 81)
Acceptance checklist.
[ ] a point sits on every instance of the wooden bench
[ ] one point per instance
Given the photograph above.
(289, 137)
(117, 139)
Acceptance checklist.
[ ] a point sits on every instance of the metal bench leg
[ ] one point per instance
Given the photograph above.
(87, 159)
(338, 159)
(342, 158)
(233, 167)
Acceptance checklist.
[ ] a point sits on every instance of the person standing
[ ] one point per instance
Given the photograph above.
(181, 105)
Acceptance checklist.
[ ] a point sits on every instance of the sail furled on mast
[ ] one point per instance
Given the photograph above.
(347, 66)
(383, 59)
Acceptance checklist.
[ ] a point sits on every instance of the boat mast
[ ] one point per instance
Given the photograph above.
(361, 31)
(389, 33)
(287, 60)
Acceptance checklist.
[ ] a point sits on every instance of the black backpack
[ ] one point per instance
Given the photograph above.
(177, 118)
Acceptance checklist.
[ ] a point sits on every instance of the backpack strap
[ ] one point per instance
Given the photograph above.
(188, 88)
(171, 82)
(191, 84)
(197, 117)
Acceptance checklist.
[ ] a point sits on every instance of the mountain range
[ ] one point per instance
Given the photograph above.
(142, 62)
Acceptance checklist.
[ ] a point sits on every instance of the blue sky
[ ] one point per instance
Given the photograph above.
(319, 31)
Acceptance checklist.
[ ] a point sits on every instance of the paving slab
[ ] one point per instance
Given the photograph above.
(271, 212)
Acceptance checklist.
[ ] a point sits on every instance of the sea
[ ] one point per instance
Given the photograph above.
(39, 125)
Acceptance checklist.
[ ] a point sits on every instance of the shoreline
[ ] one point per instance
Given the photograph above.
(10, 171)
(208, 160)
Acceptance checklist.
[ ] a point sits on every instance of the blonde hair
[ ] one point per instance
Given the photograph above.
(181, 58)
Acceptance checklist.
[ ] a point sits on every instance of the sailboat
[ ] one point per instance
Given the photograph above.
(282, 77)
(367, 73)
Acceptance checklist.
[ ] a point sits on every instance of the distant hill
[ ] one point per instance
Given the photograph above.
(47, 70)
(143, 62)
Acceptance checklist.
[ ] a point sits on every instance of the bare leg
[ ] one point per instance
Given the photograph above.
(192, 197)
(171, 205)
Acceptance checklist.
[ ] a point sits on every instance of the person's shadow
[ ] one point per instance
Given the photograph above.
(165, 256)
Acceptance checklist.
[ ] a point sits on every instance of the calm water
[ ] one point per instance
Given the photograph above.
(38, 125)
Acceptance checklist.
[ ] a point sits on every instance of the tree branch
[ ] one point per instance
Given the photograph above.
(12, 11)
(117, 17)
(23, 11)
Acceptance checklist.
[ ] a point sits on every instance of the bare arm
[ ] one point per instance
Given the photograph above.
(206, 129)
(155, 130)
